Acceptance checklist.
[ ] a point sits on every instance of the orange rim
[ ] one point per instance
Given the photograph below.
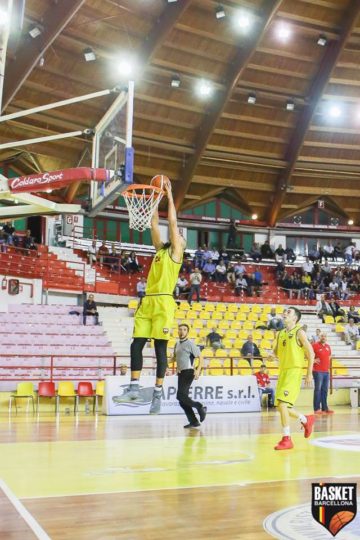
(130, 191)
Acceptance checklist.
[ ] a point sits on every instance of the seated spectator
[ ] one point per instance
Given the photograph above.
(181, 286)
(141, 287)
(230, 273)
(353, 314)
(328, 251)
(274, 321)
(338, 251)
(224, 255)
(113, 259)
(209, 269)
(90, 309)
(250, 350)
(9, 231)
(102, 252)
(92, 253)
(123, 262)
(220, 273)
(206, 254)
(280, 255)
(351, 333)
(240, 285)
(214, 340)
(336, 309)
(199, 258)
(334, 287)
(187, 264)
(323, 308)
(290, 255)
(349, 253)
(2, 241)
(195, 281)
(214, 255)
(314, 254)
(308, 266)
(325, 270)
(266, 251)
(255, 252)
(28, 241)
(316, 337)
(239, 269)
(254, 286)
(133, 263)
(263, 382)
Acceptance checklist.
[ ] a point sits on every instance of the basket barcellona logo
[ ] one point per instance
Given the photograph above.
(333, 505)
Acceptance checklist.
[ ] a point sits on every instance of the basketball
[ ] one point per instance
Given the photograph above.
(339, 521)
(159, 181)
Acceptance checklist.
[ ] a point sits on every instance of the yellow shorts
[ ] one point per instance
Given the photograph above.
(289, 386)
(154, 317)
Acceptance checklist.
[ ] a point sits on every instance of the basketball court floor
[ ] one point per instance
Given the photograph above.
(97, 477)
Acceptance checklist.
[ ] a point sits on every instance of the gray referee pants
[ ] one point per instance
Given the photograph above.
(186, 377)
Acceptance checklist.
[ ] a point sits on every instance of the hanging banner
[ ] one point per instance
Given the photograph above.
(56, 179)
(218, 394)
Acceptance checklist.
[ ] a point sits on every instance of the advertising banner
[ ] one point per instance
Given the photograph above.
(218, 394)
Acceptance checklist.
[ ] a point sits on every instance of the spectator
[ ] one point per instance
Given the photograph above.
(9, 231)
(308, 266)
(123, 370)
(338, 251)
(214, 340)
(274, 321)
(113, 260)
(314, 254)
(349, 253)
(2, 241)
(187, 264)
(90, 309)
(102, 252)
(141, 287)
(351, 333)
(199, 258)
(253, 285)
(352, 313)
(250, 350)
(92, 253)
(266, 251)
(195, 281)
(133, 263)
(325, 269)
(336, 309)
(220, 273)
(263, 382)
(230, 273)
(328, 251)
(290, 255)
(280, 255)
(224, 255)
(323, 308)
(232, 234)
(214, 255)
(316, 337)
(239, 270)
(123, 262)
(181, 286)
(209, 269)
(321, 375)
(255, 252)
(28, 241)
(240, 285)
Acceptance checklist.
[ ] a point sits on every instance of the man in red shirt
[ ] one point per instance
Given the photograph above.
(321, 375)
(263, 382)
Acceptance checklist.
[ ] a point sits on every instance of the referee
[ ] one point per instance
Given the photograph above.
(185, 354)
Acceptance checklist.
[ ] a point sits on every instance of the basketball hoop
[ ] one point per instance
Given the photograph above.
(141, 201)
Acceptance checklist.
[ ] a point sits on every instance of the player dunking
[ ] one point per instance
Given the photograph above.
(155, 315)
(291, 348)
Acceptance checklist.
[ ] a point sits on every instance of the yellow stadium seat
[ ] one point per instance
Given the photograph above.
(209, 306)
(244, 367)
(204, 315)
(252, 317)
(224, 325)
(227, 343)
(217, 316)
(329, 319)
(197, 323)
(171, 343)
(279, 310)
(180, 314)
(241, 316)
(238, 343)
(248, 325)
(269, 334)
(339, 328)
(338, 369)
(174, 332)
(215, 368)
(266, 344)
(207, 352)
(230, 334)
(221, 353)
(338, 318)
(228, 316)
(263, 318)
(232, 308)
(198, 340)
(257, 363)
(256, 309)
(221, 307)
(257, 334)
(192, 315)
(196, 306)
(244, 308)
(203, 332)
(185, 306)
(234, 353)
(192, 334)
(133, 304)
(235, 325)
(212, 324)
(266, 309)
(243, 334)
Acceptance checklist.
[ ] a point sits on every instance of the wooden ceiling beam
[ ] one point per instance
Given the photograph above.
(31, 50)
(234, 72)
(331, 56)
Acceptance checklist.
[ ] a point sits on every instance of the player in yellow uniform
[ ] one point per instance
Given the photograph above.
(155, 315)
(291, 348)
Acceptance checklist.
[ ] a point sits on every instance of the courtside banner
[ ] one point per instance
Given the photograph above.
(218, 394)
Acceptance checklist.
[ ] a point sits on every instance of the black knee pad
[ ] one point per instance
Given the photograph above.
(161, 357)
(136, 353)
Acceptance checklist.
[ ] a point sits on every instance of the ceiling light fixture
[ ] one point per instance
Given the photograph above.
(89, 54)
(322, 41)
(283, 31)
(251, 99)
(204, 88)
(34, 31)
(335, 111)
(290, 105)
(254, 217)
(243, 21)
(175, 81)
(351, 222)
(220, 12)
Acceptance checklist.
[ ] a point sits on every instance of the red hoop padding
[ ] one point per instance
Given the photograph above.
(57, 179)
(130, 191)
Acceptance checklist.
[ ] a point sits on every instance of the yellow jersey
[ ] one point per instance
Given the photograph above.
(288, 350)
(163, 274)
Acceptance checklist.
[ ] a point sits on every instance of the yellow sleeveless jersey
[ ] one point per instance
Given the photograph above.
(163, 274)
(288, 350)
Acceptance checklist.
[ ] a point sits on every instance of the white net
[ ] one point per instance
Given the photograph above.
(141, 202)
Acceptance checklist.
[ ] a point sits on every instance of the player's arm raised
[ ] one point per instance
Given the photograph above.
(177, 241)
(309, 353)
(155, 231)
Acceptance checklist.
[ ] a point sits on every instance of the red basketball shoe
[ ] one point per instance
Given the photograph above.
(308, 427)
(285, 444)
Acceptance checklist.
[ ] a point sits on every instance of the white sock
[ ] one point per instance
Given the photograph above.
(286, 431)
(303, 419)
(158, 389)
